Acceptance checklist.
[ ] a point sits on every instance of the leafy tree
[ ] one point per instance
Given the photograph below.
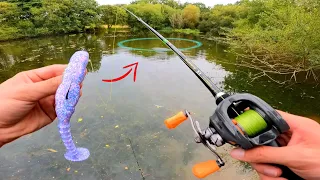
(8, 11)
(28, 18)
(282, 35)
(113, 14)
(172, 3)
(176, 20)
(167, 12)
(150, 13)
(191, 16)
(220, 18)
(145, 2)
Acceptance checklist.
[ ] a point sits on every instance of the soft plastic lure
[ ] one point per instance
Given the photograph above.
(67, 97)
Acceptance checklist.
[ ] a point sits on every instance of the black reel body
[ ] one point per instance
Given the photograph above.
(222, 121)
(242, 120)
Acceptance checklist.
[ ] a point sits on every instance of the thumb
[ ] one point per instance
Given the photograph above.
(264, 154)
(39, 90)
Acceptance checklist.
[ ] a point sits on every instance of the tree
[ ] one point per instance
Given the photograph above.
(176, 20)
(167, 12)
(150, 13)
(191, 16)
(110, 15)
(220, 18)
(8, 11)
(281, 35)
(171, 3)
(203, 7)
(29, 18)
(145, 2)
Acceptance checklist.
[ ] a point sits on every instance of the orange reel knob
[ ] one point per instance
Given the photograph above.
(204, 169)
(174, 121)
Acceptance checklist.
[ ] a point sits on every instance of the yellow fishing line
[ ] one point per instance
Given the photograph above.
(114, 41)
(98, 92)
(251, 122)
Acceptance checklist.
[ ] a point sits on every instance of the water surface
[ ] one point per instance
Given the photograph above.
(122, 123)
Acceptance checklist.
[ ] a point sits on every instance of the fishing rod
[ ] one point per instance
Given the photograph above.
(242, 120)
(205, 80)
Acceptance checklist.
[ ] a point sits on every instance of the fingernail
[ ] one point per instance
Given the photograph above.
(237, 153)
(270, 172)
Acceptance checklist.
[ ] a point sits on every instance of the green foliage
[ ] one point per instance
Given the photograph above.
(220, 18)
(162, 14)
(191, 16)
(286, 31)
(111, 14)
(171, 3)
(194, 32)
(150, 13)
(31, 18)
(267, 31)
(176, 20)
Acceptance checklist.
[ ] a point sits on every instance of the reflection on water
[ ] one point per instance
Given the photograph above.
(122, 123)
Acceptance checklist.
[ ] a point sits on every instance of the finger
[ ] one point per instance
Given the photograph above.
(264, 177)
(267, 170)
(266, 154)
(45, 73)
(47, 105)
(296, 122)
(39, 90)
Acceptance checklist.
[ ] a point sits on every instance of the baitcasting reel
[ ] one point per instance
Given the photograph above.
(242, 120)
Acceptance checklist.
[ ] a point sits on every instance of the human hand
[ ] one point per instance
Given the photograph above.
(300, 151)
(27, 101)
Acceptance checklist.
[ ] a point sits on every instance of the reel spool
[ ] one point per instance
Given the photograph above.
(242, 120)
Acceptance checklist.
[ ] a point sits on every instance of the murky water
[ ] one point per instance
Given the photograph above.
(122, 122)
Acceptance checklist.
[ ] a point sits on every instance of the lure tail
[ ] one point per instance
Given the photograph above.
(73, 153)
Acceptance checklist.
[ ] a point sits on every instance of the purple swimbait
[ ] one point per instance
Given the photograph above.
(67, 97)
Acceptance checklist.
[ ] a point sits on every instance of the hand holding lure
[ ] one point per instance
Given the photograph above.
(67, 96)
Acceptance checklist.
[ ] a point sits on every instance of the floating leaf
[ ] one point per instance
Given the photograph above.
(80, 120)
(158, 106)
(75, 171)
(107, 145)
(117, 126)
(52, 150)
(68, 169)
(101, 116)
(84, 133)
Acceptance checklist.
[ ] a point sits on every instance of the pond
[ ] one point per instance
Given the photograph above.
(122, 123)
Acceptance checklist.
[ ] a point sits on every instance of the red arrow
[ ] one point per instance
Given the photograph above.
(126, 74)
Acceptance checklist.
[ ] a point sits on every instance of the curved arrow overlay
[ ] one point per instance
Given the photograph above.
(126, 74)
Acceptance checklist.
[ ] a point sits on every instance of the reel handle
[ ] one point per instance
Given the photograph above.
(204, 169)
(175, 120)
